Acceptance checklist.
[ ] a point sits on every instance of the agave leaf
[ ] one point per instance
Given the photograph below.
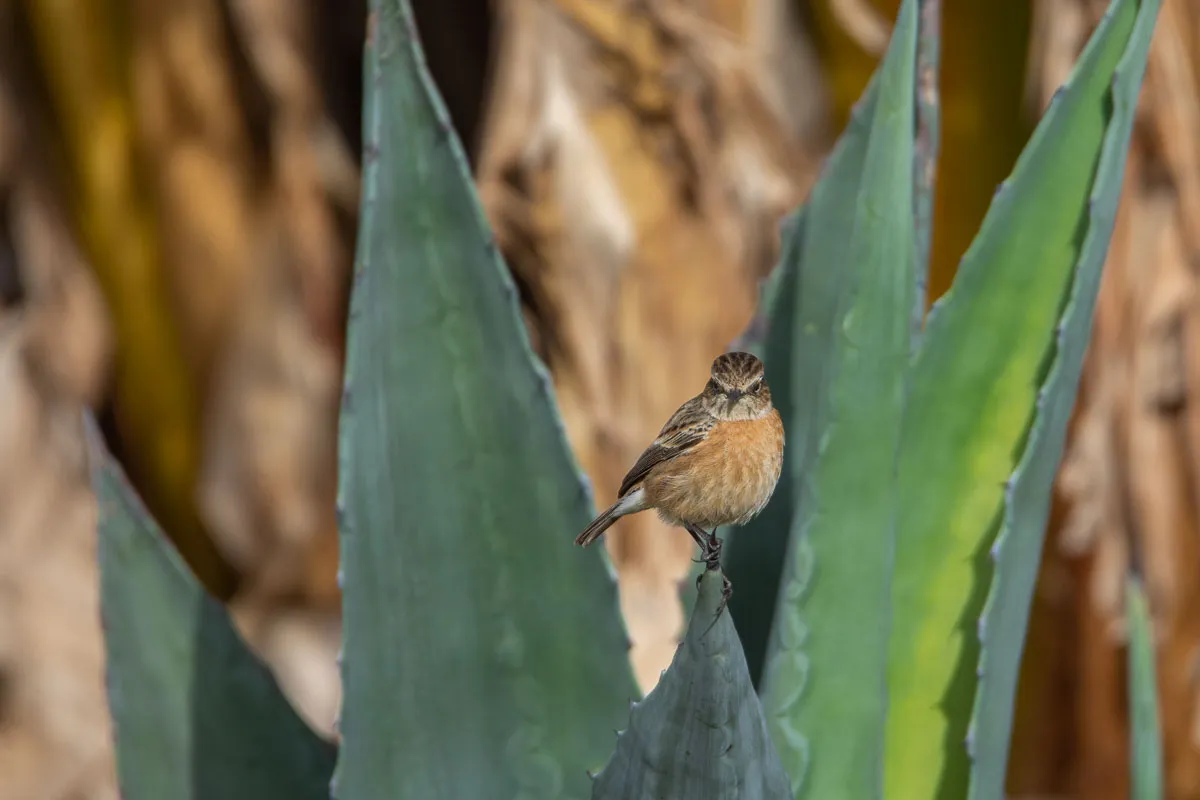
(800, 300)
(700, 732)
(1145, 746)
(993, 385)
(483, 652)
(823, 684)
(1027, 501)
(196, 715)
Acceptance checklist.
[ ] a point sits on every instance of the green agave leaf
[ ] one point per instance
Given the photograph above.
(800, 299)
(483, 652)
(700, 732)
(993, 384)
(1145, 746)
(196, 715)
(823, 685)
(1018, 544)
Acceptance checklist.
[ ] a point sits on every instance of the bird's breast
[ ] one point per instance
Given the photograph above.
(726, 479)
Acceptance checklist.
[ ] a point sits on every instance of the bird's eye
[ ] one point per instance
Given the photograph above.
(756, 386)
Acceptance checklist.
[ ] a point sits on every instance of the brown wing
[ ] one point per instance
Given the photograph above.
(686, 428)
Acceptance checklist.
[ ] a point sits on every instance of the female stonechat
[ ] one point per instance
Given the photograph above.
(715, 462)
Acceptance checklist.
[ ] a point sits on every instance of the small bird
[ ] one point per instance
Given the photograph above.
(715, 462)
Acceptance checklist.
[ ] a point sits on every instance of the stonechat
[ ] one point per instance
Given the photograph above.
(715, 462)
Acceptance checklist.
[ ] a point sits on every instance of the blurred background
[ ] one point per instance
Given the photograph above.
(178, 205)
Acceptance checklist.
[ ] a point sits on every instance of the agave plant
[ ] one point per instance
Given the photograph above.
(880, 601)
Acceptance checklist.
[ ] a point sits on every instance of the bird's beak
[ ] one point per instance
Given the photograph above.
(733, 395)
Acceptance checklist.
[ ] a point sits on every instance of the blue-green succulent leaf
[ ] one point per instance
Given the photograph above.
(823, 685)
(1145, 736)
(484, 654)
(700, 733)
(1018, 544)
(992, 389)
(799, 305)
(196, 715)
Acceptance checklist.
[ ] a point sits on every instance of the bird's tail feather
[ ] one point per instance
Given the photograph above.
(598, 526)
(629, 504)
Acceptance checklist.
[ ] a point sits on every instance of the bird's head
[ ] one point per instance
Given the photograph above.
(738, 388)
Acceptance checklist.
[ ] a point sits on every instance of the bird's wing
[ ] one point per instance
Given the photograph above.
(686, 428)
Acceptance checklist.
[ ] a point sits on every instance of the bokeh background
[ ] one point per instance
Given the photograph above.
(178, 204)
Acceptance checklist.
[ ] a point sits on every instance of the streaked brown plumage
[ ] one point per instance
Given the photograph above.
(715, 462)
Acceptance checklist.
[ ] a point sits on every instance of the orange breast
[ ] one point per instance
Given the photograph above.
(724, 480)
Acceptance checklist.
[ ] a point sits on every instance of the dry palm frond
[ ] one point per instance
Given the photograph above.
(269, 480)
(54, 350)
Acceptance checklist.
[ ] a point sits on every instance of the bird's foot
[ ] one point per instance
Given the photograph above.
(702, 539)
(710, 556)
(711, 551)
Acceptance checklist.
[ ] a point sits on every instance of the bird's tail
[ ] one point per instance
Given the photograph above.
(629, 504)
(599, 525)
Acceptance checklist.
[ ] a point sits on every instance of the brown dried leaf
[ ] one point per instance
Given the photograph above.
(248, 171)
(269, 476)
(267, 484)
(200, 157)
(862, 20)
(54, 350)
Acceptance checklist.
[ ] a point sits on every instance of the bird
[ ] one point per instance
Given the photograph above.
(715, 462)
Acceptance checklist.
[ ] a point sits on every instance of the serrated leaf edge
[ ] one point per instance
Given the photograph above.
(1078, 310)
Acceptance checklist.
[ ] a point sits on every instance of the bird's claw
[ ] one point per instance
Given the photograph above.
(710, 557)
(711, 552)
